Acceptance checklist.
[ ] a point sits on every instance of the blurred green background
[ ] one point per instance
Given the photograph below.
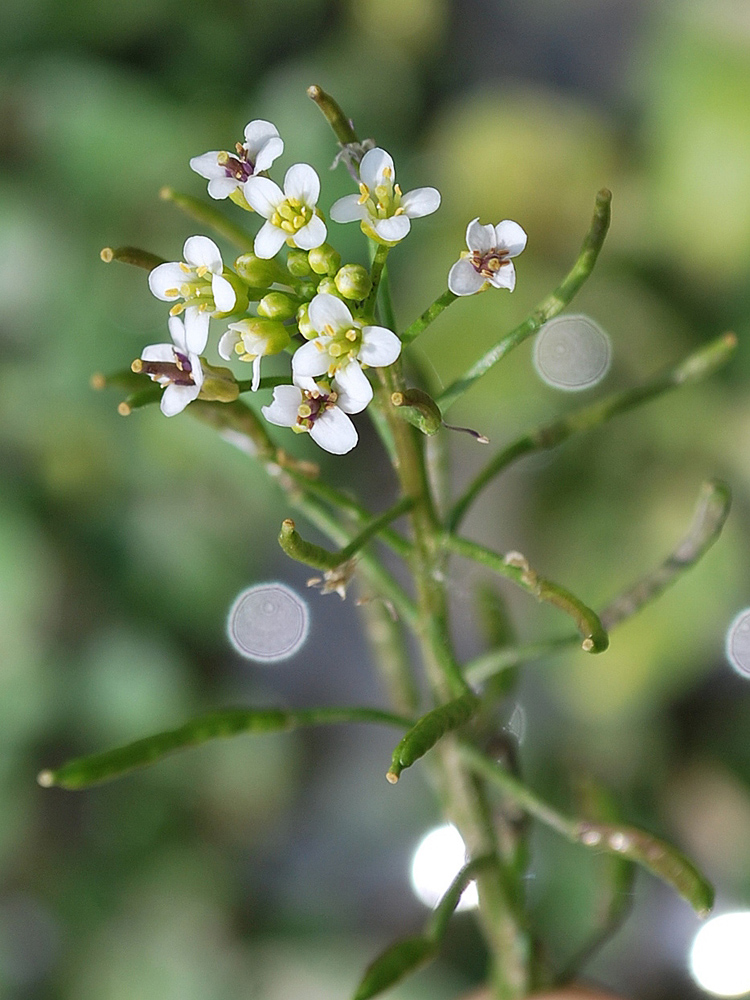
(274, 868)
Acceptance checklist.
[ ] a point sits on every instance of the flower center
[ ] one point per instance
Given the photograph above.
(490, 262)
(291, 215)
(240, 167)
(343, 346)
(313, 405)
(196, 290)
(383, 201)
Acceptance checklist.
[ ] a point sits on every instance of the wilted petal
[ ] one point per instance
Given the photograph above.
(196, 329)
(353, 388)
(505, 277)
(283, 408)
(158, 352)
(510, 237)
(328, 310)
(334, 432)
(420, 202)
(269, 152)
(225, 296)
(380, 347)
(263, 195)
(376, 168)
(166, 278)
(227, 344)
(207, 165)
(270, 239)
(200, 251)
(301, 182)
(464, 279)
(309, 360)
(394, 229)
(222, 187)
(312, 235)
(481, 238)
(347, 209)
(175, 398)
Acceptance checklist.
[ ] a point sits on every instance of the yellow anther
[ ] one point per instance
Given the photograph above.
(299, 221)
(200, 271)
(184, 291)
(176, 309)
(184, 267)
(351, 335)
(137, 366)
(246, 357)
(328, 330)
(336, 350)
(288, 227)
(172, 293)
(222, 158)
(397, 190)
(285, 210)
(399, 211)
(319, 345)
(387, 172)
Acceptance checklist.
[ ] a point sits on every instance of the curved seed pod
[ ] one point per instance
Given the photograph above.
(425, 733)
(394, 963)
(419, 409)
(296, 547)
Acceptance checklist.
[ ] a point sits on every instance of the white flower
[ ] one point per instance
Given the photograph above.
(488, 258)
(175, 367)
(226, 172)
(321, 410)
(343, 343)
(290, 214)
(200, 283)
(383, 211)
(252, 339)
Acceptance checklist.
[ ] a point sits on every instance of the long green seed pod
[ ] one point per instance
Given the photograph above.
(132, 255)
(425, 733)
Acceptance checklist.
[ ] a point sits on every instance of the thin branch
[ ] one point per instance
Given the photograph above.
(207, 215)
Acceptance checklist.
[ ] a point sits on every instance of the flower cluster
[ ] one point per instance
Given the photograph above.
(307, 303)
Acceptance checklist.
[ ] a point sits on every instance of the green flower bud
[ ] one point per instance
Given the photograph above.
(240, 291)
(298, 264)
(258, 273)
(303, 322)
(276, 305)
(353, 282)
(324, 259)
(328, 287)
(307, 289)
(261, 336)
(219, 385)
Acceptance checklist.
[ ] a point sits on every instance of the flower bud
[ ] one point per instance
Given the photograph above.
(261, 336)
(327, 286)
(324, 259)
(219, 385)
(276, 305)
(297, 263)
(353, 282)
(258, 273)
(240, 292)
(306, 328)
(307, 289)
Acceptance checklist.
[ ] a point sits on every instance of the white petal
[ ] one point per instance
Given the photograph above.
(510, 237)
(481, 238)
(312, 235)
(305, 382)
(310, 360)
(347, 209)
(175, 398)
(200, 251)
(263, 195)
(353, 388)
(207, 165)
(166, 278)
(196, 329)
(464, 279)
(270, 239)
(177, 332)
(222, 187)
(256, 374)
(196, 370)
(227, 344)
(283, 409)
(301, 182)
(328, 310)
(420, 202)
(505, 277)
(334, 432)
(380, 347)
(394, 229)
(225, 296)
(376, 168)
(257, 134)
(268, 152)
(158, 352)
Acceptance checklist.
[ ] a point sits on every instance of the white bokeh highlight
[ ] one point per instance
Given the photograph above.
(738, 647)
(720, 956)
(439, 857)
(572, 353)
(268, 623)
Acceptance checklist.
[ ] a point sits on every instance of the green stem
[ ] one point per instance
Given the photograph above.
(209, 216)
(392, 656)
(694, 368)
(428, 316)
(85, 771)
(341, 125)
(376, 273)
(516, 568)
(546, 309)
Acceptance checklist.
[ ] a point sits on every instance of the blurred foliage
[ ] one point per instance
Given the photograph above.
(277, 867)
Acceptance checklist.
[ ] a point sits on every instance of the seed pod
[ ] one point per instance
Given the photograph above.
(425, 733)
(419, 409)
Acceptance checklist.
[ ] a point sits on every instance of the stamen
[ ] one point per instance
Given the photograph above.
(351, 335)
(177, 309)
(184, 267)
(200, 271)
(173, 293)
(223, 158)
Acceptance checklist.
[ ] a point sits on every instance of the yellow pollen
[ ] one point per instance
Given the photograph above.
(286, 226)
(319, 345)
(399, 211)
(364, 192)
(351, 335)
(137, 366)
(172, 292)
(387, 173)
(184, 267)
(222, 158)
(397, 190)
(328, 330)
(176, 309)
(201, 270)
